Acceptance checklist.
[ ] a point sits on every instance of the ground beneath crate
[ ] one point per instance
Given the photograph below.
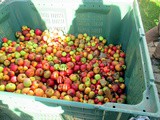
(155, 65)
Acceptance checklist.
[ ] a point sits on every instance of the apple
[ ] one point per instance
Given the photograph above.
(60, 87)
(75, 86)
(81, 87)
(50, 82)
(5, 40)
(23, 53)
(39, 72)
(87, 90)
(67, 97)
(13, 79)
(74, 77)
(10, 87)
(38, 57)
(71, 92)
(115, 87)
(57, 93)
(2, 87)
(49, 92)
(97, 76)
(60, 80)
(38, 92)
(31, 56)
(79, 94)
(30, 72)
(83, 67)
(66, 87)
(38, 32)
(76, 99)
(27, 82)
(21, 77)
(46, 66)
(1, 69)
(90, 57)
(91, 94)
(47, 74)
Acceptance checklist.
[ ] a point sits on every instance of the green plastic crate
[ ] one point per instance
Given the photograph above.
(119, 21)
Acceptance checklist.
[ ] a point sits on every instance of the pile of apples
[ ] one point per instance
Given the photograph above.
(63, 66)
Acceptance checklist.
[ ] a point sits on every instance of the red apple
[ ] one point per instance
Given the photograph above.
(39, 72)
(76, 68)
(115, 87)
(66, 87)
(50, 82)
(83, 67)
(31, 56)
(13, 67)
(13, 79)
(70, 65)
(54, 75)
(75, 86)
(67, 80)
(38, 32)
(69, 71)
(38, 58)
(60, 80)
(46, 66)
(71, 92)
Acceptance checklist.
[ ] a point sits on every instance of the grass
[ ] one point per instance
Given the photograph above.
(150, 13)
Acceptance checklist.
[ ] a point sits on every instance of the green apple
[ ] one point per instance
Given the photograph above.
(27, 82)
(35, 45)
(31, 31)
(17, 45)
(89, 44)
(68, 39)
(121, 79)
(56, 66)
(87, 83)
(93, 44)
(2, 58)
(70, 43)
(33, 50)
(63, 67)
(97, 76)
(9, 42)
(32, 34)
(17, 55)
(88, 38)
(79, 49)
(1, 69)
(83, 59)
(22, 38)
(64, 54)
(10, 87)
(2, 87)
(90, 57)
(43, 51)
(49, 58)
(5, 45)
(45, 46)
(30, 47)
(23, 53)
(1, 76)
(71, 52)
(85, 34)
(101, 38)
(29, 43)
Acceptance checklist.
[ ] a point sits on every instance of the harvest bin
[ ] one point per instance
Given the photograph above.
(118, 21)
